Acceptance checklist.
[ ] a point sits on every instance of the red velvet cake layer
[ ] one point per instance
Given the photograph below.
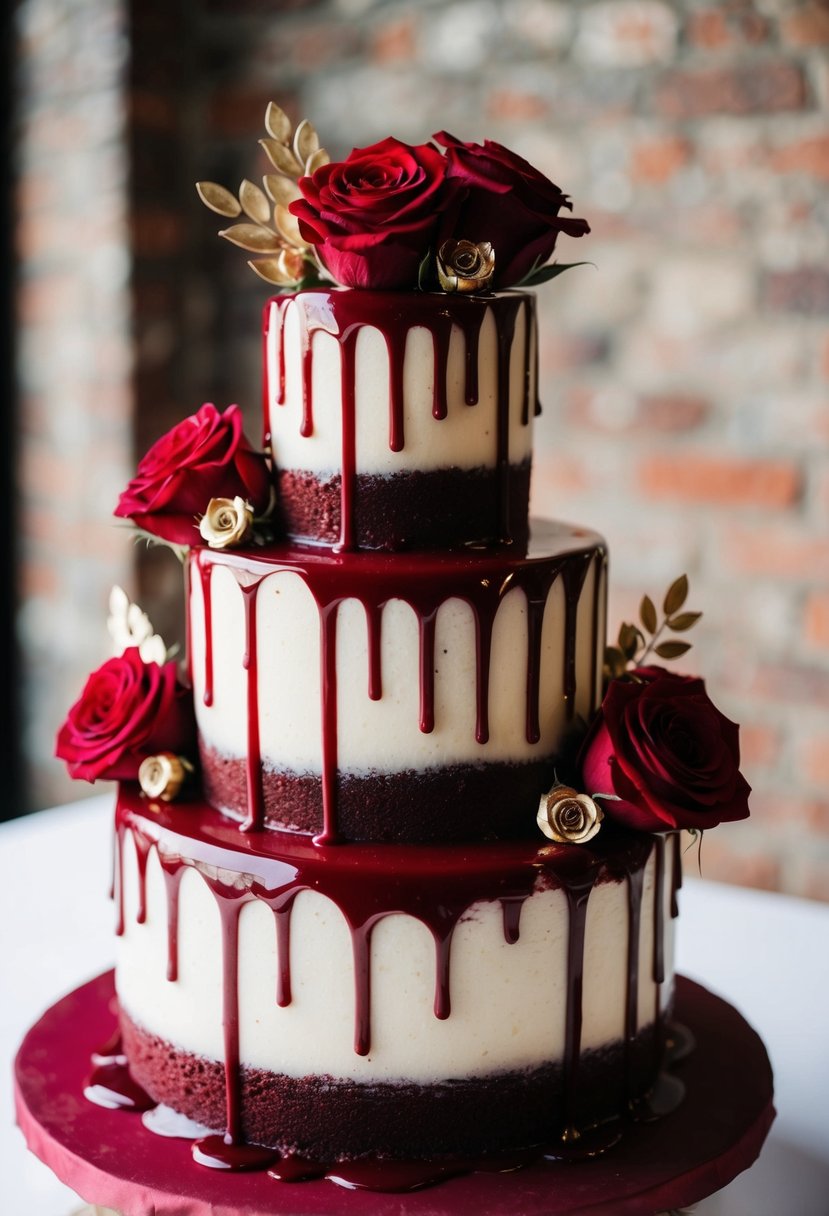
(328, 1119)
(441, 509)
(458, 803)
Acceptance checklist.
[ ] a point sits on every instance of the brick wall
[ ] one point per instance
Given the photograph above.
(685, 378)
(73, 356)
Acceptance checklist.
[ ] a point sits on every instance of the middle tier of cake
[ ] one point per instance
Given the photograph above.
(420, 697)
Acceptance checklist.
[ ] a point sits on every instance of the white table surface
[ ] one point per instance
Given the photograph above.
(767, 954)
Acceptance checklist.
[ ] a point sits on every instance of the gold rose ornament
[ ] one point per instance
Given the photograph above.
(163, 776)
(464, 266)
(568, 817)
(226, 522)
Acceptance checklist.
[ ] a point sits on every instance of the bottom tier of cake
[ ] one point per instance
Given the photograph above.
(397, 1001)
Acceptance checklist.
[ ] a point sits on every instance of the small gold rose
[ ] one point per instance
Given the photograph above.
(162, 776)
(226, 522)
(568, 817)
(464, 266)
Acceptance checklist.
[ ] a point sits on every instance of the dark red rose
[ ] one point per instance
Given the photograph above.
(498, 196)
(127, 711)
(373, 216)
(663, 748)
(205, 456)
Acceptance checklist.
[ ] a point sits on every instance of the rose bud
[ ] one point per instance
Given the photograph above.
(227, 522)
(464, 266)
(568, 817)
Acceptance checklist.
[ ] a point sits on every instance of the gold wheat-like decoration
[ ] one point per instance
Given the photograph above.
(268, 228)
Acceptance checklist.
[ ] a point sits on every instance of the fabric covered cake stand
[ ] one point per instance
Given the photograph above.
(109, 1158)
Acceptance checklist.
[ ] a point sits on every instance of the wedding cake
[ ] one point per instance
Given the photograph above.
(397, 848)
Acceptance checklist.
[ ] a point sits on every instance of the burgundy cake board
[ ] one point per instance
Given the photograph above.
(110, 1158)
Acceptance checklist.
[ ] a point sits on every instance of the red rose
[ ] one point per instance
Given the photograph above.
(205, 456)
(373, 216)
(667, 753)
(127, 711)
(499, 197)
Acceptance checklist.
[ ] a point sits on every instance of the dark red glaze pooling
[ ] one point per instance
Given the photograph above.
(367, 883)
(481, 578)
(344, 314)
(111, 1084)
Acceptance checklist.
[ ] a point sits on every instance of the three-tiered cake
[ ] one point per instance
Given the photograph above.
(348, 940)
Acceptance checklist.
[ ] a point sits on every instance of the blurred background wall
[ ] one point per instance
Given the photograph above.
(685, 378)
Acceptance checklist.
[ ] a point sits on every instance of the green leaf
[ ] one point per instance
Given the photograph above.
(672, 650)
(647, 614)
(676, 595)
(614, 661)
(542, 274)
(424, 271)
(628, 639)
(683, 621)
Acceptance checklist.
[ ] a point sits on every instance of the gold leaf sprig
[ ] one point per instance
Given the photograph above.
(267, 227)
(636, 643)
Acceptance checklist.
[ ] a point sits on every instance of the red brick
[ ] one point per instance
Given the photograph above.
(154, 111)
(157, 232)
(723, 861)
(708, 479)
(807, 25)
(810, 156)
(781, 552)
(759, 745)
(38, 578)
(513, 105)
(779, 812)
(816, 619)
(394, 42)
(672, 411)
(813, 759)
(759, 87)
(804, 291)
(666, 412)
(555, 476)
(792, 683)
(237, 112)
(659, 159)
(712, 28)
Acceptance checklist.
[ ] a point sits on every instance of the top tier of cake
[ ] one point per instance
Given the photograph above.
(401, 420)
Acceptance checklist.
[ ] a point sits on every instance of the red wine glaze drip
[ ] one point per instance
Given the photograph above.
(676, 875)
(484, 621)
(328, 665)
(635, 884)
(343, 317)
(206, 574)
(374, 625)
(282, 919)
(173, 873)
(578, 891)
(658, 945)
(426, 629)
(511, 911)
(506, 333)
(230, 905)
(348, 470)
(253, 760)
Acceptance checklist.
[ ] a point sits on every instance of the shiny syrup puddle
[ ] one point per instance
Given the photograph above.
(110, 1085)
